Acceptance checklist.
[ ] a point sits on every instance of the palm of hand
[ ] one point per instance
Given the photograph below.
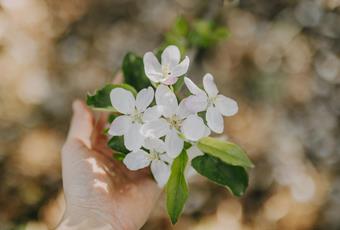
(101, 193)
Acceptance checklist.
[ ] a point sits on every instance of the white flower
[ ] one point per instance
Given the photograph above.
(192, 152)
(178, 123)
(135, 111)
(215, 104)
(157, 158)
(169, 70)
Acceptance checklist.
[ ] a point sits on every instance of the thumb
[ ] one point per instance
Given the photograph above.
(81, 124)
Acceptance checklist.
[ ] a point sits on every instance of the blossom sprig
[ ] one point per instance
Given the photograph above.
(170, 134)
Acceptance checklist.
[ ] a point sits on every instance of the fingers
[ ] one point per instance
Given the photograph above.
(118, 78)
(81, 124)
(99, 138)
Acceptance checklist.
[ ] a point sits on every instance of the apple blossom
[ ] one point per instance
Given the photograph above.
(177, 123)
(135, 113)
(157, 159)
(192, 152)
(208, 99)
(169, 135)
(170, 68)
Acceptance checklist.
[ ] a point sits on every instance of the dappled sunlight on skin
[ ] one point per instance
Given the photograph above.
(101, 184)
(279, 67)
(99, 191)
(95, 167)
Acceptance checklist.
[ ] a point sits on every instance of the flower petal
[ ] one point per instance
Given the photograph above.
(193, 152)
(207, 132)
(192, 87)
(183, 111)
(136, 160)
(122, 100)
(181, 68)
(166, 101)
(164, 157)
(226, 105)
(133, 139)
(155, 129)
(173, 144)
(154, 144)
(193, 128)
(215, 120)
(144, 98)
(171, 56)
(151, 114)
(169, 80)
(196, 103)
(120, 125)
(161, 172)
(209, 85)
(152, 67)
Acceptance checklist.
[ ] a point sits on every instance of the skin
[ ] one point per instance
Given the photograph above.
(101, 193)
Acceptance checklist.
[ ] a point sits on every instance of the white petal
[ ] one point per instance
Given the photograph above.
(183, 111)
(151, 114)
(173, 144)
(161, 172)
(154, 144)
(136, 160)
(193, 152)
(152, 67)
(120, 125)
(166, 101)
(181, 68)
(214, 120)
(122, 100)
(226, 105)
(207, 132)
(155, 129)
(192, 87)
(170, 80)
(209, 85)
(166, 158)
(193, 128)
(197, 103)
(171, 56)
(144, 98)
(133, 139)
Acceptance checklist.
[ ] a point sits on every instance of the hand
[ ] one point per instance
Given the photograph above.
(100, 192)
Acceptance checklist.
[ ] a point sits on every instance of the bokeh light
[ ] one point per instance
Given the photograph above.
(281, 63)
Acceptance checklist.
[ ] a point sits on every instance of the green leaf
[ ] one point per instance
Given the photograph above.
(133, 70)
(176, 188)
(101, 98)
(119, 156)
(116, 143)
(177, 35)
(228, 152)
(112, 116)
(235, 178)
(180, 27)
(206, 34)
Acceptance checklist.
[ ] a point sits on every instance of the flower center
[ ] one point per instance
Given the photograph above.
(166, 71)
(175, 122)
(211, 100)
(153, 155)
(137, 117)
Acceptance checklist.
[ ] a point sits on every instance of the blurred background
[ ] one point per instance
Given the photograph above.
(280, 62)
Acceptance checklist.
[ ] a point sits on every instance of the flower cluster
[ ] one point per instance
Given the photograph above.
(156, 126)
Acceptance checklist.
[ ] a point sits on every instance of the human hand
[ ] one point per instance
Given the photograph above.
(100, 192)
